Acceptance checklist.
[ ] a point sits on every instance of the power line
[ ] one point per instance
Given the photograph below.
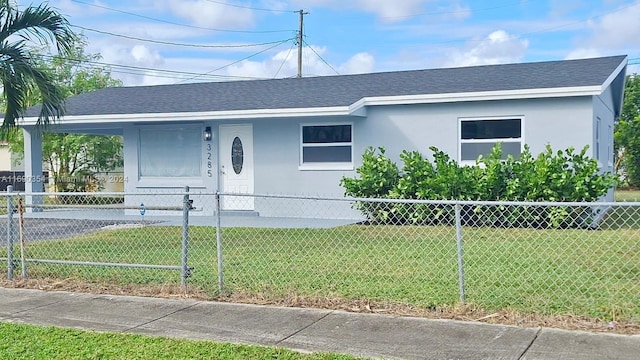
(130, 68)
(320, 57)
(175, 77)
(285, 60)
(237, 61)
(175, 43)
(167, 74)
(175, 23)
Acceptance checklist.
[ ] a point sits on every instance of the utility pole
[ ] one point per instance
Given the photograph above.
(302, 14)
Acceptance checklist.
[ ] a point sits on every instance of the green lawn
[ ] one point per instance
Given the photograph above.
(579, 272)
(628, 195)
(21, 341)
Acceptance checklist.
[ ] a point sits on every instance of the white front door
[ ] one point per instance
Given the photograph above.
(236, 166)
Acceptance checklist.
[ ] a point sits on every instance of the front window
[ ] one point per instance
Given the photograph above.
(327, 146)
(479, 136)
(170, 152)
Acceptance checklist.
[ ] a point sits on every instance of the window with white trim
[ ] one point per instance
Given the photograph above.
(479, 136)
(170, 152)
(326, 146)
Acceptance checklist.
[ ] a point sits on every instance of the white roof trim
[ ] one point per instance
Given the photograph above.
(615, 74)
(477, 96)
(196, 116)
(353, 110)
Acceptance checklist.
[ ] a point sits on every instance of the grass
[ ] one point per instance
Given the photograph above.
(578, 272)
(37, 342)
(627, 195)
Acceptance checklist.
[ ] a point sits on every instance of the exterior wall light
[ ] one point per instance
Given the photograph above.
(207, 134)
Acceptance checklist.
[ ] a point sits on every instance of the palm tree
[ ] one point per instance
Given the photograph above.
(19, 71)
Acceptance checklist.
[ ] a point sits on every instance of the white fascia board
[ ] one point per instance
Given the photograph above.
(196, 116)
(475, 96)
(614, 74)
(356, 109)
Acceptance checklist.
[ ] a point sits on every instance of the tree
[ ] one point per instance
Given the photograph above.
(74, 159)
(19, 71)
(627, 133)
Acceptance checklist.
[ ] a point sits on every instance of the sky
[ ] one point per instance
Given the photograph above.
(149, 42)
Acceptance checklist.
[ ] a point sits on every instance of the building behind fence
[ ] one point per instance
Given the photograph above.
(569, 258)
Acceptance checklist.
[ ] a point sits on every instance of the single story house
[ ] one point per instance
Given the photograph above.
(302, 135)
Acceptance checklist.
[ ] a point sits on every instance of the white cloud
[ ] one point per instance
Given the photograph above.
(497, 48)
(617, 30)
(155, 31)
(583, 53)
(386, 10)
(615, 33)
(145, 56)
(562, 9)
(70, 8)
(285, 64)
(358, 64)
(282, 64)
(459, 12)
(212, 14)
(131, 55)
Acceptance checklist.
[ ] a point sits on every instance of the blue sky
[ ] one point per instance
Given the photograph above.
(172, 41)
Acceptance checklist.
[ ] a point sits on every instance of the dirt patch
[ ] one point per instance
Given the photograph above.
(463, 313)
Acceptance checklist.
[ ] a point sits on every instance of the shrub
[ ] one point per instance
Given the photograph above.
(551, 176)
(378, 176)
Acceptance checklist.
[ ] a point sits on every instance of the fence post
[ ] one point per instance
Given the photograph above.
(460, 254)
(23, 258)
(186, 206)
(10, 232)
(219, 244)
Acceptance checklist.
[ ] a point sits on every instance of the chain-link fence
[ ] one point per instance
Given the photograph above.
(549, 258)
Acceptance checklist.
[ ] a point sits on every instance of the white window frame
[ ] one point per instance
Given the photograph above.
(325, 165)
(461, 141)
(168, 181)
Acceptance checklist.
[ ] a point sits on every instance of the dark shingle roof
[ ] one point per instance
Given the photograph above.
(328, 91)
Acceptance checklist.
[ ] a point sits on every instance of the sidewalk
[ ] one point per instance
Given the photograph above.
(309, 330)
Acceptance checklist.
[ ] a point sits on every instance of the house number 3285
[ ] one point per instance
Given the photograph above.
(209, 161)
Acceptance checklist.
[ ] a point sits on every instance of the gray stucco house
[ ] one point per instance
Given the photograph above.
(301, 135)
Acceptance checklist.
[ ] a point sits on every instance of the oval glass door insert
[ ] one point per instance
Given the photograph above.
(237, 155)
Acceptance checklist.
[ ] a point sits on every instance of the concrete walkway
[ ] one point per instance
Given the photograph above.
(309, 330)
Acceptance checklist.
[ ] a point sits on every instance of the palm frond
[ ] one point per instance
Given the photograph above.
(20, 74)
(14, 74)
(38, 23)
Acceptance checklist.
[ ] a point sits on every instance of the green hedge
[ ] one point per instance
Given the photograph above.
(554, 176)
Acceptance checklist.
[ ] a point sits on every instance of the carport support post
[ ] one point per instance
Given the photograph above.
(10, 232)
(460, 254)
(186, 206)
(33, 178)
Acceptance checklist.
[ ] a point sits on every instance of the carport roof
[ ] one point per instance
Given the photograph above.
(344, 90)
